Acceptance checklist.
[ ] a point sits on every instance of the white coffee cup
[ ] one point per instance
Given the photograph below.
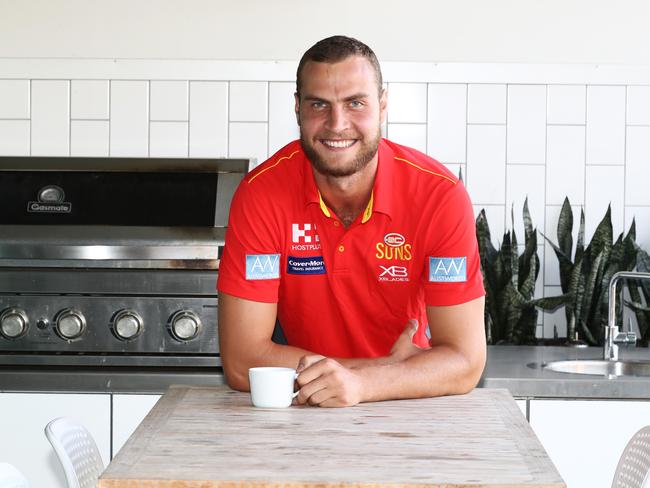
(272, 387)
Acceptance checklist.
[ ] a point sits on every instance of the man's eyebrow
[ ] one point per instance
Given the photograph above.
(356, 96)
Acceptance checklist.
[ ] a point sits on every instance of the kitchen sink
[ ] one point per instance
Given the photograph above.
(600, 367)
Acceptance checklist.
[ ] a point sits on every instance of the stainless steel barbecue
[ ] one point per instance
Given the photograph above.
(112, 261)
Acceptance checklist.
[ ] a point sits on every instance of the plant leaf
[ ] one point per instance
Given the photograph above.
(565, 228)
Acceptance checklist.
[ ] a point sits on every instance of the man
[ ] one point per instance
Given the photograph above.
(354, 244)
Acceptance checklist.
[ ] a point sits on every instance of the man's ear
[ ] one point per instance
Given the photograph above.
(383, 104)
(297, 107)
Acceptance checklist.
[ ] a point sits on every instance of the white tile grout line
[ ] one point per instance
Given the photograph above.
(188, 94)
(31, 104)
(625, 157)
(69, 117)
(149, 118)
(110, 85)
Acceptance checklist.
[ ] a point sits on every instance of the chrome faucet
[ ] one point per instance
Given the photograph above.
(612, 336)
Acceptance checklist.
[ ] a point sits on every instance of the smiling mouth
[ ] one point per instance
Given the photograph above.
(338, 143)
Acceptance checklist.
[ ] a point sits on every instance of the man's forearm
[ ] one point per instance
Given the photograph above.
(437, 371)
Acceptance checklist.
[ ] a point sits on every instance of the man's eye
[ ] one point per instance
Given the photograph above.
(318, 105)
(356, 104)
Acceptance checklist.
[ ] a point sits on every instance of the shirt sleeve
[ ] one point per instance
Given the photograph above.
(250, 265)
(452, 271)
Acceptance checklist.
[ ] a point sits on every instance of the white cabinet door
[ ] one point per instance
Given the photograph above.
(128, 412)
(23, 417)
(522, 406)
(585, 439)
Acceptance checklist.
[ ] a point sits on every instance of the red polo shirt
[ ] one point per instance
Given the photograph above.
(350, 292)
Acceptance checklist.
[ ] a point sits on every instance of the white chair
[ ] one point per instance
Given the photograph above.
(77, 452)
(10, 477)
(633, 469)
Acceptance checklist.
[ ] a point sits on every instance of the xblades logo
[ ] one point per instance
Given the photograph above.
(393, 273)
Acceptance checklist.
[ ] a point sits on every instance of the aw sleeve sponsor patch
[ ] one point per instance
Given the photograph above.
(262, 266)
(447, 270)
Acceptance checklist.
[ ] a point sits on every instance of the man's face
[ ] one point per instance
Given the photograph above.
(340, 113)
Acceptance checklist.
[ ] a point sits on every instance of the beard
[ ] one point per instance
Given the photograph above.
(367, 151)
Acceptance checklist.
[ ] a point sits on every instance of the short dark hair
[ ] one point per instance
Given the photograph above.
(334, 49)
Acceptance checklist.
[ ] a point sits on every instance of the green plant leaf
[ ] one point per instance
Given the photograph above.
(602, 237)
(550, 304)
(565, 228)
(580, 243)
(528, 221)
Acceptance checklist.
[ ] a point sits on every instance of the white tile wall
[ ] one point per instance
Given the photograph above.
(248, 140)
(129, 118)
(447, 122)
(14, 137)
(525, 181)
(14, 99)
(413, 135)
(526, 124)
(169, 100)
(407, 102)
(208, 136)
(548, 139)
(605, 186)
(636, 167)
(565, 164)
(486, 164)
(638, 105)
(89, 99)
(248, 101)
(50, 117)
(168, 139)
(486, 104)
(566, 104)
(283, 127)
(89, 138)
(605, 124)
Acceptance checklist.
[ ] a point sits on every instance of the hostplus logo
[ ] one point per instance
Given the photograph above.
(304, 237)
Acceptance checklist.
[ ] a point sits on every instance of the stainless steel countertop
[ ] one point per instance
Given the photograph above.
(506, 368)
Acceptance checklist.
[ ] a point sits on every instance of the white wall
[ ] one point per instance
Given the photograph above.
(92, 78)
(533, 31)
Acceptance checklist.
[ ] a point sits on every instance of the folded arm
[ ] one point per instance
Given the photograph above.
(452, 365)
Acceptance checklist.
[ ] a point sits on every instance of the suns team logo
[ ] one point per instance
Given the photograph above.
(393, 247)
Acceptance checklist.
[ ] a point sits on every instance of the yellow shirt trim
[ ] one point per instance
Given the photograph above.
(426, 170)
(368, 212)
(272, 166)
(323, 207)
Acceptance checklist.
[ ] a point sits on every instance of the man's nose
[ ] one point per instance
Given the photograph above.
(338, 120)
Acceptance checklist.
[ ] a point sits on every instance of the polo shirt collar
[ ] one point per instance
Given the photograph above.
(381, 198)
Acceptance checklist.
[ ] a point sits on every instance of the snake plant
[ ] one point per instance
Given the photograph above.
(585, 277)
(509, 280)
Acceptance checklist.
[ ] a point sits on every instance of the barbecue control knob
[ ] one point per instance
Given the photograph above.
(127, 324)
(13, 323)
(70, 323)
(184, 325)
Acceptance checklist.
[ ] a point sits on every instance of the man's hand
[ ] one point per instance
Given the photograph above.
(325, 382)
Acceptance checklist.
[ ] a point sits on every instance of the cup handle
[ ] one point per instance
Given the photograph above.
(295, 393)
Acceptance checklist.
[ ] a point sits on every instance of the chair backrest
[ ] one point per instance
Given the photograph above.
(77, 452)
(10, 477)
(633, 470)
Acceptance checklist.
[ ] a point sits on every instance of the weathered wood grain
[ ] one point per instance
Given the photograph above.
(213, 437)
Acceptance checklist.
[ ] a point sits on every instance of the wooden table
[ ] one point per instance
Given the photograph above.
(213, 437)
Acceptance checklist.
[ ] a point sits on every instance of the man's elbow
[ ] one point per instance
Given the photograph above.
(472, 373)
(236, 377)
